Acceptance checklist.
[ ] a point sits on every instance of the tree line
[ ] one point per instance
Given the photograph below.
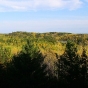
(48, 43)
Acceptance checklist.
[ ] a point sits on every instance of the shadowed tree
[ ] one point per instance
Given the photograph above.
(83, 65)
(27, 71)
(69, 66)
(1, 75)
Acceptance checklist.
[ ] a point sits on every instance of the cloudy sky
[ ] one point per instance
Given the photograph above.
(44, 16)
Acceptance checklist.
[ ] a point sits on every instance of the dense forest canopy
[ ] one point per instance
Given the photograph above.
(59, 58)
(48, 43)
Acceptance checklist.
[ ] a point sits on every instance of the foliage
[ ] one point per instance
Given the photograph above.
(72, 67)
(27, 71)
(5, 54)
(28, 60)
(45, 42)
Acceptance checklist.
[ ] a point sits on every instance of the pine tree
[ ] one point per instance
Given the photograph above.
(69, 66)
(83, 65)
(26, 71)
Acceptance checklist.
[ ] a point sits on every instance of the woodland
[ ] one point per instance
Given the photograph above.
(43, 60)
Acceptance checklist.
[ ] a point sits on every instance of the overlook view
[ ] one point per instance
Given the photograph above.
(43, 43)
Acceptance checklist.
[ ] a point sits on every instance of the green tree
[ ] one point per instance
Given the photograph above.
(84, 66)
(27, 71)
(5, 54)
(69, 66)
(30, 47)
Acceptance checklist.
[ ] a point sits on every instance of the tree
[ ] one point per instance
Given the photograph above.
(83, 62)
(2, 75)
(27, 71)
(69, 66)
(5, 54)
(30, 48)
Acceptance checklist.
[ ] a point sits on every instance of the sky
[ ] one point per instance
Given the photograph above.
(44, 16)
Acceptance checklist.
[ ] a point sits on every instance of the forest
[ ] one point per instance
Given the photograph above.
(43, 60)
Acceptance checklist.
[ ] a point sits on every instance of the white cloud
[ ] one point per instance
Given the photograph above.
(25, 5)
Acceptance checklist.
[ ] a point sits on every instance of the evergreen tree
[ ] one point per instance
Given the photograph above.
(69, 66)
(83, 65)
(26, 71)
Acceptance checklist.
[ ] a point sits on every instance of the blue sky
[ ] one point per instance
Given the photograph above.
(44, 16)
